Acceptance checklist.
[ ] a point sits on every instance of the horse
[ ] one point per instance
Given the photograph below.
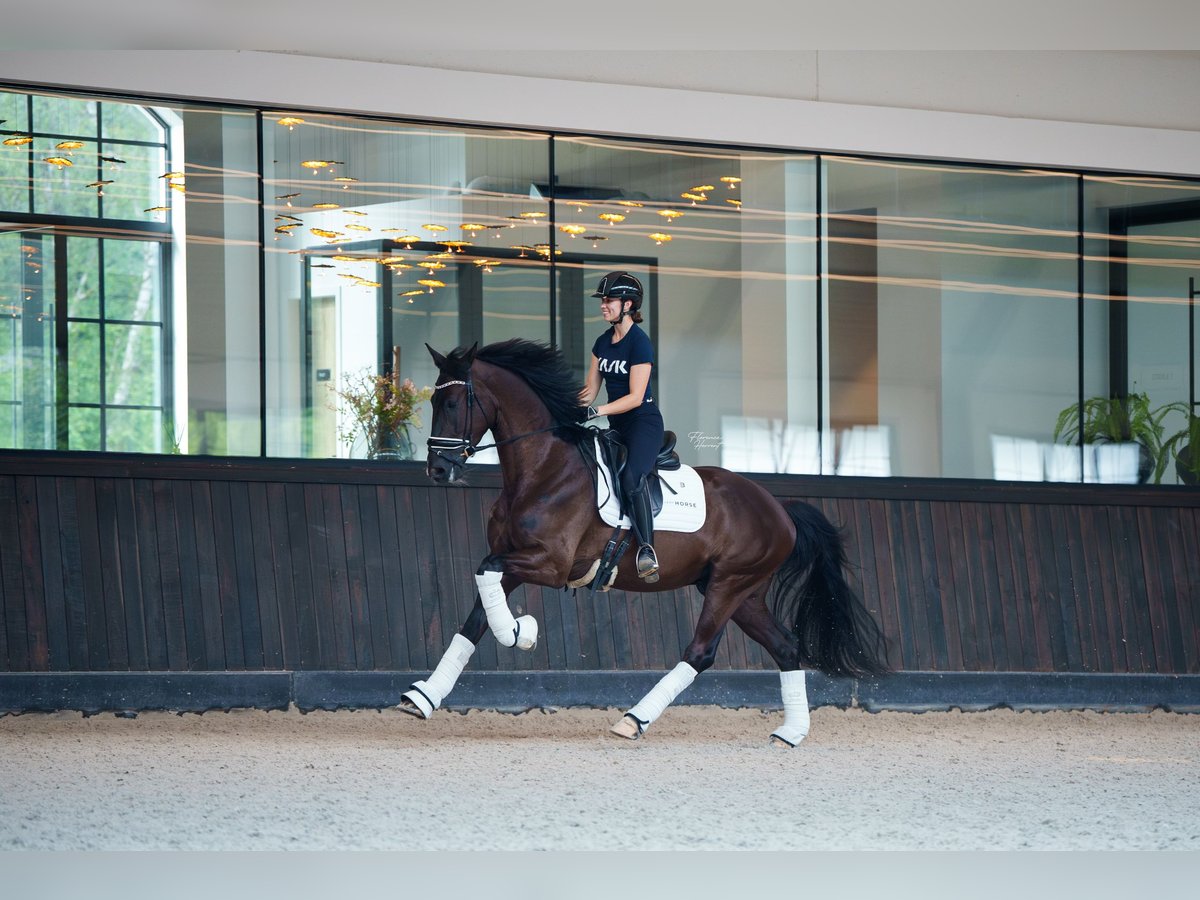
(778, 572)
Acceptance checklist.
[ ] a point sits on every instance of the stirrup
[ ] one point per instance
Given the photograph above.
(647, 564)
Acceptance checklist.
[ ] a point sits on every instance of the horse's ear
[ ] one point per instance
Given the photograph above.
(470, 357)
(438, 359)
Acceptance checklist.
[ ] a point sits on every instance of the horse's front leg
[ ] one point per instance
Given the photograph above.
(495, 583)
(423, 697)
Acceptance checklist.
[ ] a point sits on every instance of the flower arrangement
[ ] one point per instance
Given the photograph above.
(380, 409)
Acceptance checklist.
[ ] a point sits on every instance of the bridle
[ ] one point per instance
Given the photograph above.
(462, 447)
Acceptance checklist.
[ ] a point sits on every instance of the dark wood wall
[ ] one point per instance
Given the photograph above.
(132, 563)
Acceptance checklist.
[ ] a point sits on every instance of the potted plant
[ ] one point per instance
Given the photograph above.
(1184, 445)
(380, 410)
(1119, 420)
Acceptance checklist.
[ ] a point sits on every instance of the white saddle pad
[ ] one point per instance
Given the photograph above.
(683, 510)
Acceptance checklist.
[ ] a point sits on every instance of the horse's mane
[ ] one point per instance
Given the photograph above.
(540, 366)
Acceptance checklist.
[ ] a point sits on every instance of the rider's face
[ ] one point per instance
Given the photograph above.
(610, 308)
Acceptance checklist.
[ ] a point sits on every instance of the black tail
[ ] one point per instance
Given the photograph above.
(810, 596)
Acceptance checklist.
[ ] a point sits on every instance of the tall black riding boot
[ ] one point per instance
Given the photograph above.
(642, 517)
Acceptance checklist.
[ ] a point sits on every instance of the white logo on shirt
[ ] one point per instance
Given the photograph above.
(613, 365)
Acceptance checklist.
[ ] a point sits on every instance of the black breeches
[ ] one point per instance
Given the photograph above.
(643, 436)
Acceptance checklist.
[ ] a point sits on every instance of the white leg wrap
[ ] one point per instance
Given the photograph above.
(508, 631)
(795, 708)
(428, 695)
(668, 688)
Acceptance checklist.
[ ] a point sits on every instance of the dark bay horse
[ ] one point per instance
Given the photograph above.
(777, 571)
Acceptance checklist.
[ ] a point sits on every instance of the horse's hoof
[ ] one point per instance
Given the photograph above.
(788, 741)
(527, 633)
(626, 728)
(415, 704)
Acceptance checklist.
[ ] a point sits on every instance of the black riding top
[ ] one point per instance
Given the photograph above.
(616, 359)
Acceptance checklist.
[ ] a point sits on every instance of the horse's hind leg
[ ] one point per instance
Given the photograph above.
(755, 619)
(719, 603)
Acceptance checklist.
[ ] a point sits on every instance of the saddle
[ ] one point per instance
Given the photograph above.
(614, 453)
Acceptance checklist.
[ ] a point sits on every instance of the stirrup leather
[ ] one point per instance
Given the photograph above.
(647, 564)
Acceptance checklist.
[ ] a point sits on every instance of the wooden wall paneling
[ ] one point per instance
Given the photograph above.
(412, 619)
(108, 586)
(170, 575)
(189, 574)
(1142, 565)
(282, 569)
(12, 609)
(319, 535)
(393, 576)
(129, 558)
(436, 636)
(943, 624)
(1069, 619)
(967, 547)
(341, 615)
(983, 563)
(1160, 584)
(1188, 565)
(1179, 596)
(1130, 585)
(369, 516)
(58, 649)
(448, 566)
(303, 598)
(1054, 599)
(32, 578)
(622, 648)
(360, 615)
(91, 574)
(262, 539)
(150, 573)
(1011, 599)
(1081, 536)
(895, 587)
(911, 587)
(228, 587)
(207, 577)
(601, 623)
(249, 614)
(960, 637)
(1031, 541)
(1103, 563)
(1026, 586)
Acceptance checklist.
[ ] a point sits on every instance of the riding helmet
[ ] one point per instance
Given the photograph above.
(621, 285)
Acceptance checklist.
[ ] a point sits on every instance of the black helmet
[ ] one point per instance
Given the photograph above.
(621, 285)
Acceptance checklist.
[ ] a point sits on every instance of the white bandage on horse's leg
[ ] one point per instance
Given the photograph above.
(495, 604)
(668, 688)
(508, 631)
(795, 708)
(428, 695)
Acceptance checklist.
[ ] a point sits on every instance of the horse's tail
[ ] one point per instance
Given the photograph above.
(811, 597)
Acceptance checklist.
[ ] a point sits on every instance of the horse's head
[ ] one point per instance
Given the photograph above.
(459, 421)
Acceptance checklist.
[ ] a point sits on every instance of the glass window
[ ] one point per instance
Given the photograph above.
(387, 237)
(724, 244)
(950, 318)
(1142, 246)
(160, 347)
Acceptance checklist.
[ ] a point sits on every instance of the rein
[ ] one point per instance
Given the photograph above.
(462, 445)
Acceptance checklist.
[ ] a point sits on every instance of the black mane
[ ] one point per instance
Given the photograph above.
(542, 367)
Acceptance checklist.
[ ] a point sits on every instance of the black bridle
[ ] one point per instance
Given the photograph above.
(461, 446)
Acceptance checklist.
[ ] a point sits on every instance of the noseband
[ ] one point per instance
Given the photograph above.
(460, 446)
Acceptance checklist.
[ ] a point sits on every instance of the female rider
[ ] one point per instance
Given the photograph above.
(624, 358)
